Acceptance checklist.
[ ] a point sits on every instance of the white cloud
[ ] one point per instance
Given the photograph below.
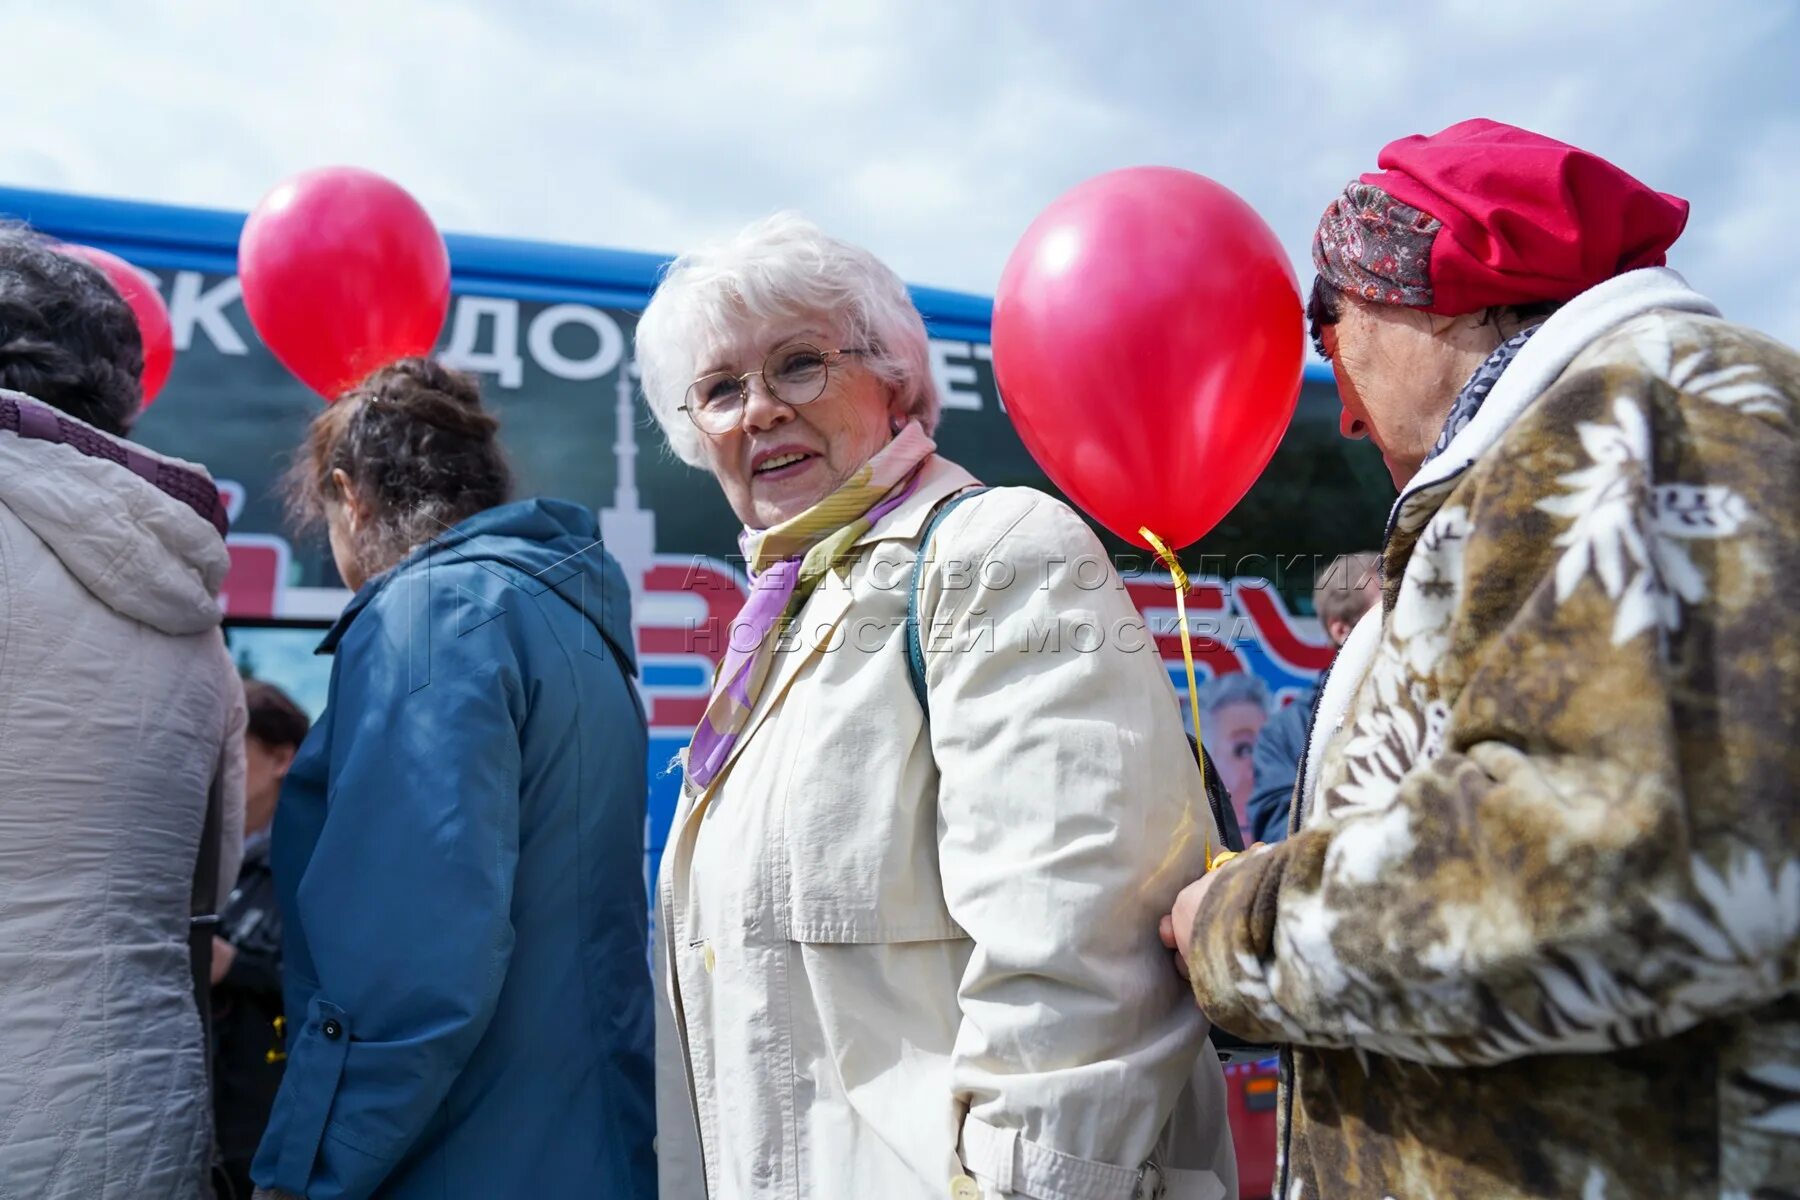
(933, 133)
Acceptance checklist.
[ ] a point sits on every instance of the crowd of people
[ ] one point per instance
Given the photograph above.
(940, 910)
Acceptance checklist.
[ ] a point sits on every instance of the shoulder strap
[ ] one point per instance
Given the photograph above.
(1217, 798)
(204, 921)
(915, 649)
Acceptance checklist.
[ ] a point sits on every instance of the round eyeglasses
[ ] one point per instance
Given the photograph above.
(794, 374)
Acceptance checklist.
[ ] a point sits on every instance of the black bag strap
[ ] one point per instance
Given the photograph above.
(202, 925)
(204, 905)
(1217, 798)
(915, 647)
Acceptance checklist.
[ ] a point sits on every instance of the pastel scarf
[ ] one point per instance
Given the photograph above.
(786, 563)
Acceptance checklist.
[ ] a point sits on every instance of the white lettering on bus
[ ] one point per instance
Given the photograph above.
(191, 308)
(985, 353)
(956, 381)
(541, 340)
(465, 335)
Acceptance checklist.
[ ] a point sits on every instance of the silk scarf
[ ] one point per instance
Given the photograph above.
(786, 563)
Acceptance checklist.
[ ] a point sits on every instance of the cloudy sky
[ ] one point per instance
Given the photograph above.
(932, 132)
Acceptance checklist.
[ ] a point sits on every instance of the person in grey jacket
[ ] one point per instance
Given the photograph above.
(121, 729)
(1344, 591)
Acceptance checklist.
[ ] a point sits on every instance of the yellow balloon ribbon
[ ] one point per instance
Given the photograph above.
(1167, 556)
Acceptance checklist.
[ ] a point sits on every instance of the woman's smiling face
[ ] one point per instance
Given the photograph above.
(782, 458)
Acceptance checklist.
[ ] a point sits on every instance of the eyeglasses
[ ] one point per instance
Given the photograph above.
(794, 374)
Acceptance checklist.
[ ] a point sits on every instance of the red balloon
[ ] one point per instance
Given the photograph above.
(148, 307)
(343, 273)
(1148, 344)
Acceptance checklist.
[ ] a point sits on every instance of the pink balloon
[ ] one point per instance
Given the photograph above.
(148, 307)
(343, 273)
(1149, 345)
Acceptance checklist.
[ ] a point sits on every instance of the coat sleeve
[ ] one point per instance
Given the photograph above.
(1069, 815)
(1588, 844)
(1277, 760)
(406, 905)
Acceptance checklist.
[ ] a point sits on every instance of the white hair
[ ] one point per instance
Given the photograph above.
(779, 268)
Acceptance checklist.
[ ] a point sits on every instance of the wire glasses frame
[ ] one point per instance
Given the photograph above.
(794, 374)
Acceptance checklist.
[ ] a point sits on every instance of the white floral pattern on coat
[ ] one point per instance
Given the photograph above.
(1390, 738)
(1641, 563)
(1743, 386)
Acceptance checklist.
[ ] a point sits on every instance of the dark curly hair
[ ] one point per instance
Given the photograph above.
(66, 335)
(418, 449)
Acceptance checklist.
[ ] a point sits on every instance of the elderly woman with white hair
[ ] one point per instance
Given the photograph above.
(909, 899)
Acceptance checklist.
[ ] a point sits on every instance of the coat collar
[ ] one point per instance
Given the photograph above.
(1568, 331)
(939, 479)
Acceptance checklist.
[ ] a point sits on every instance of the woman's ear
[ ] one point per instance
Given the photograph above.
(896, 406)
(354, 508)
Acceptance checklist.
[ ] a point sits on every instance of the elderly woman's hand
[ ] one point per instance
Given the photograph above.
(1177, 929)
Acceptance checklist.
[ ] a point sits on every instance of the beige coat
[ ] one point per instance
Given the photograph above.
(118, 707)
(904, 954)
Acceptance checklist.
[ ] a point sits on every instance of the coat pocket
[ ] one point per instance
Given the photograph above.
(315, 1065)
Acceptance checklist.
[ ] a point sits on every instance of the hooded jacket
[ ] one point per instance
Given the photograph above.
(458, 855)
(119, 708)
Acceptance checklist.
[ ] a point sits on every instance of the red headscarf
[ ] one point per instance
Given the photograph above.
(1485, 214)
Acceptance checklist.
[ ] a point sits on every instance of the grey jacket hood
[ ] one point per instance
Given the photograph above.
(142, 531)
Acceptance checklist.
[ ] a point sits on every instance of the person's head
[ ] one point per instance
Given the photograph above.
(277, 727)
(781, 360)
(67, 337)
(395, 462)
(1398, 369)
(1233, 710)
(1344, 591)
(1460, 241)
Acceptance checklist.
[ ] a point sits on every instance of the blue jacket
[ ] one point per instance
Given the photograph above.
(1279, 749)
(458, 854)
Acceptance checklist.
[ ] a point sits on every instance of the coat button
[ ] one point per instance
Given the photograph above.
(709, 958)
(331, 1029)
(964, 1188)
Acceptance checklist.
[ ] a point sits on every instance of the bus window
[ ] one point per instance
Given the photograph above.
(283, 655)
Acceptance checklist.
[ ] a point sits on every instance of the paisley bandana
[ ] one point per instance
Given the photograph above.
(786, 563)
(1376, 248)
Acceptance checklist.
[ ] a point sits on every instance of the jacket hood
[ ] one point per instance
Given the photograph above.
(548, 544)
(125, 521)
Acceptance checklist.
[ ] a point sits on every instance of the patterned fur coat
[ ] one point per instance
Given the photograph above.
(1535, 931)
